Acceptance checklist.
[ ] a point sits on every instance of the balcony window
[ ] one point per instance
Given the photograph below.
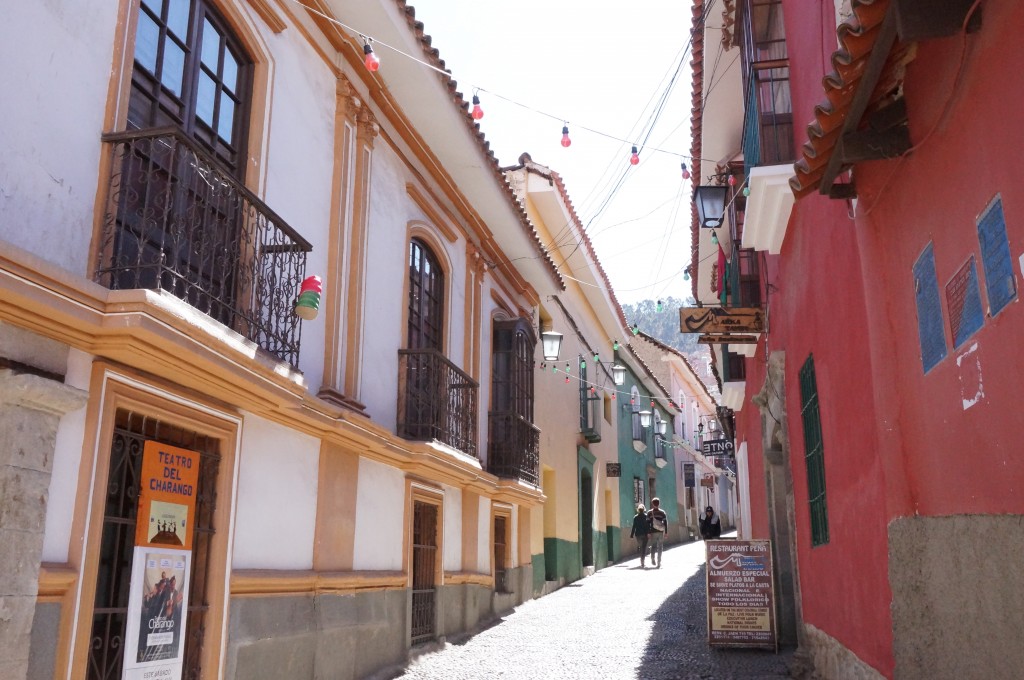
(192, 72)
(513, 447)
(436, 399)
(177, 221)
(178, 217)
(591, 406)
(768, 125)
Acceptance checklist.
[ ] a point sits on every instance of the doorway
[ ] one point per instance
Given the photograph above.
(110, 607)
(587, 517)
(424, 570)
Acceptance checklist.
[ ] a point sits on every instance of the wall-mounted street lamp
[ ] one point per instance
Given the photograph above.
(551, 342)
(710, 202)
(645, 419)
(662, 427)
(619, 374)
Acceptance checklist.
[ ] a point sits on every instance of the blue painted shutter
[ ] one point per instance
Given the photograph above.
(929, 310)
(995, 257)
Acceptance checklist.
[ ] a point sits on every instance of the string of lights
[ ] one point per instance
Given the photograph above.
(373, 63)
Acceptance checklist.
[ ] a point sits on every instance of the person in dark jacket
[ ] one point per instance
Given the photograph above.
(641, 529)
(710, 526)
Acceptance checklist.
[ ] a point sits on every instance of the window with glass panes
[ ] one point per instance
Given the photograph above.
(192, 73)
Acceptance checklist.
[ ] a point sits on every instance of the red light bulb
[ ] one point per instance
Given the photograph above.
(565, 136)
(566, 378)
(635, 158)
(732, 180)
(686, 172)
(371, 61)
(478, 113)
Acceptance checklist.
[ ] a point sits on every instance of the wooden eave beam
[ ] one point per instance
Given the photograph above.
(872, 72)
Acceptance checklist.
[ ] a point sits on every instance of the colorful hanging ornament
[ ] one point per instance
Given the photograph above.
(478, 112)
(615, 345)
(686, 172)
(634, 158)
(566, 142)
(732, 180)
(370, 60)
(746, 191)
(308, 303)
(660, 306)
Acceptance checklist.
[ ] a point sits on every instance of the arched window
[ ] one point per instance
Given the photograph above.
(191, 72)
(512, 369)
(682, 414)
(426, 298)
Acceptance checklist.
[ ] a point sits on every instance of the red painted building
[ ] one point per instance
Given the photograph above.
(877, 417)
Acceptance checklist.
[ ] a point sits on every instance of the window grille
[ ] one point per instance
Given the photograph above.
(814, 453)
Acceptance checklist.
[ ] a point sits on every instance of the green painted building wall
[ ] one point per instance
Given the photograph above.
(642, 465)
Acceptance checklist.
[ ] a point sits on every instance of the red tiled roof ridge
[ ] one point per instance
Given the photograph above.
(696, 127)
(857, 37)
(433, 57)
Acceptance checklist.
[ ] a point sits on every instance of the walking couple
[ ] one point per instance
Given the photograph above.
(650, 525)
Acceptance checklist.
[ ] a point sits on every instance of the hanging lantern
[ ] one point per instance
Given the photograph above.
(551, 342)
(308, 303)
(618, 374)
(645, 418)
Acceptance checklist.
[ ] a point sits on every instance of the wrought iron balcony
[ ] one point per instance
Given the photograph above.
(176, 221)
(513, 447)
(436, 400)
(768, 121)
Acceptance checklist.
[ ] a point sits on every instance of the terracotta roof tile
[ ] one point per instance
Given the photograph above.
(696, 124)
(857, 38)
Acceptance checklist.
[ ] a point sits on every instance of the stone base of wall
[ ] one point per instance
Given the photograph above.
(45, 635)
(825, 658)
(336, 637)
(957, 596)
(342, 637)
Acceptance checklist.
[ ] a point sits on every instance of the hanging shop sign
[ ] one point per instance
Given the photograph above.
(708, 480)
(716, 447)
(613, 469)
(721, 320)
(689, 475)
(740, 592)
(161, 564)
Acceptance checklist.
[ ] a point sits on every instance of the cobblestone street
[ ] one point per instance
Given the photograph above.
(622, 622)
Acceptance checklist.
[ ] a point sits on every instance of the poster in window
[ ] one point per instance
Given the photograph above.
(157, 608)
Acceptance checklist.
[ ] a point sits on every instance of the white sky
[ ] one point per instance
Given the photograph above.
(597, 64)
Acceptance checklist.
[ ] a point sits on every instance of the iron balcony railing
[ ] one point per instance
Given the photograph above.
(436, 400)
(768, 120)
(513, 447)
(176, 221)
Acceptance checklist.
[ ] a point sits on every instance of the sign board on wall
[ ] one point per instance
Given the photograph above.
(741, 596)
(716, 447)
(721, 320)
(689, 475)
(613, 469)
(161, 563)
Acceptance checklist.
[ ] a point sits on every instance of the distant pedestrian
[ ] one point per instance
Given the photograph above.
(659, 525)
(640, 531)
(710, 526)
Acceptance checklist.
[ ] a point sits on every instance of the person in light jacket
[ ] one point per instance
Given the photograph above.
(641, 529)
(710, 526)
(659, 527)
